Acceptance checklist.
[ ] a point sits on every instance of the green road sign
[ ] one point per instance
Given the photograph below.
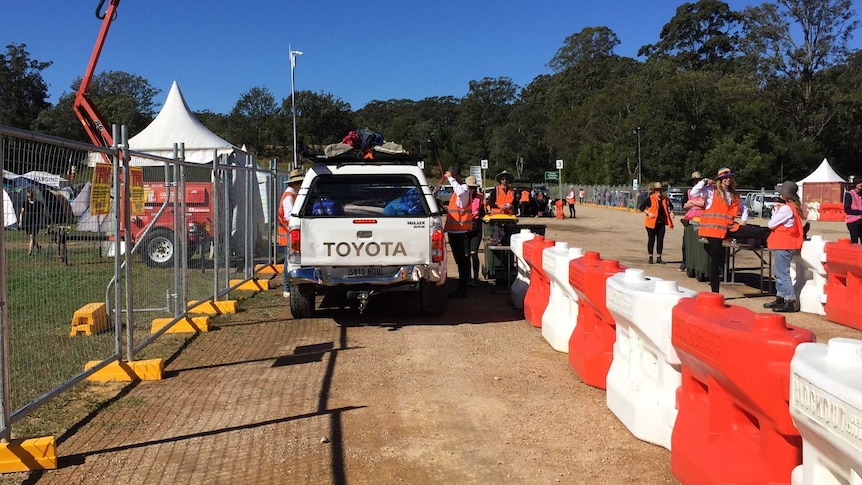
(552, 175)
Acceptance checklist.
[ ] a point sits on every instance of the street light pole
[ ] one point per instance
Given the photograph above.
(293, 55)
(640, 180)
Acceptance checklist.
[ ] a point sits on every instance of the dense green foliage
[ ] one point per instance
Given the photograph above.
(769, 91)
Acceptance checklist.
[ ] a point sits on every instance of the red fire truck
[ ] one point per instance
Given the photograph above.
(155, 228)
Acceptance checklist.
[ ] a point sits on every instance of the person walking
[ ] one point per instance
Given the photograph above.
(474, 236)
(570, 199)
(785, 240)
(659, 214)
(502, 199)
(692, 207)
(285, 207)
(459, 221)
(32, 219)
(853, 210)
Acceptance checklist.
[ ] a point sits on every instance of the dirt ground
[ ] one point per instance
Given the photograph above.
(476, 396)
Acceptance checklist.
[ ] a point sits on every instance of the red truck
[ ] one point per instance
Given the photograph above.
(158, 248)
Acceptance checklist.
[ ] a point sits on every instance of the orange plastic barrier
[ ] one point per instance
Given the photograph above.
(591, 346)
(734, 422)
(843, 288)
(831, 212)
(536, 299)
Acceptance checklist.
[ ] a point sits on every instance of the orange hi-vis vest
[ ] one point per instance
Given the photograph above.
(855, 203)
(502, 198)
(718, 219)
(460, 219)
(525, 196)
(651, 212)
(783, 237)
(284, 219)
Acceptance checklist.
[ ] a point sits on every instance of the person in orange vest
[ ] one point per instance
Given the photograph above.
(785, 240)
(285, 206)
(853, 210)
(524, 203)
(717, 220)
(502, 199)
(659, 214)
(570, 199)
(459, 222)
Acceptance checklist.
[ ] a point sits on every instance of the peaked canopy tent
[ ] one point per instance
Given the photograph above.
(823, 185)
(176, 124)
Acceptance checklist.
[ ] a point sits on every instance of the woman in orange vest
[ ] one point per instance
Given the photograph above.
(659, 213)
(717, 218)
(285, 207)
(785, 240)
(459, 222)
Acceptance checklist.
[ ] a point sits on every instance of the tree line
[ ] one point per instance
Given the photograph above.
(768, 91)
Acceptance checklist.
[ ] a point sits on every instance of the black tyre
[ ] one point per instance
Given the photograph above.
(434, 299)
(702, 277)
(689, 272)
(302, 301)
(159, 249)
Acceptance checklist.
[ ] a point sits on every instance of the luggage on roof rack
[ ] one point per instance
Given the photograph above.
(369, 156)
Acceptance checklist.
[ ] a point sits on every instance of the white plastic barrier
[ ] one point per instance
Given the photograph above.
(809, 275)
(646, 371)
(561, 315)
(522, 280)
(826, 407)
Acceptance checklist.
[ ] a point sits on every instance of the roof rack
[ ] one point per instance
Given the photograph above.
(369, 157)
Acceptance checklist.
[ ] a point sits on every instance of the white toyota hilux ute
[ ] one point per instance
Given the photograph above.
(362, 227)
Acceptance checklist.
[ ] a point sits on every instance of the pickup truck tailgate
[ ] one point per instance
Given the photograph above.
(338, 241)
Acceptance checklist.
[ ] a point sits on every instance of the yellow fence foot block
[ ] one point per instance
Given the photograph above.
(211, 307)
(186, 325)
(253, 284)
(123, 371)
(268, 268)
(21, 455)
(89, 319)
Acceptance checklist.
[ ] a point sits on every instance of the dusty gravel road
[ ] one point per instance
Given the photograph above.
(387, 397)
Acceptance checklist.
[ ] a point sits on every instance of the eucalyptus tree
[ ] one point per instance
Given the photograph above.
(23, 91)
(483, 110)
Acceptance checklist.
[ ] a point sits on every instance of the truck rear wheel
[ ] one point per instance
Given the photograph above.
(434, 299)
(159, 249)
(302, 301)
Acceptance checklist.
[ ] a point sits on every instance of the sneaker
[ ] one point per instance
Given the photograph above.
(650, 260)
(285, 294)
(682, 267)
(779, 301)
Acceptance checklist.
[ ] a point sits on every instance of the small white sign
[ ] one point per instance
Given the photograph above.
(559, 164)
(484, 164)
(421, 164)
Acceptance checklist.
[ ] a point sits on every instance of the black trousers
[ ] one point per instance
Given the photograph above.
(855, 229)
(458, 245)
(655, 238)
(716, 250)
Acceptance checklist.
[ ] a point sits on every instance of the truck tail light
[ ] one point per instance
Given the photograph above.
(293, 244)
(438, 246)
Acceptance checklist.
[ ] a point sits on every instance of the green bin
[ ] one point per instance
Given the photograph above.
(696, 257)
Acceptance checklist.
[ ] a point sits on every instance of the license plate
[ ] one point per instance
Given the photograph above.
(365, 272)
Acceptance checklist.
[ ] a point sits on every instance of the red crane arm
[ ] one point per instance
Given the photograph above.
(93, 121)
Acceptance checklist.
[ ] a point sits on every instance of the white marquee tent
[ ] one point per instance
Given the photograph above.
(823, 173)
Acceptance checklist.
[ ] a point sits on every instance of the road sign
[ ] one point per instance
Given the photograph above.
(551, 175)
(559, 164)
(484, 164)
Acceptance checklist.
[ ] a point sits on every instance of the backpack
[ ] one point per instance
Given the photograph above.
(368, 139)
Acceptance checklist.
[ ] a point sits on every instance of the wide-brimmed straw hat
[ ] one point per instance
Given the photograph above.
(657, 186)
(504, 174)
(696, 176)
(296, 175)
(471, 181)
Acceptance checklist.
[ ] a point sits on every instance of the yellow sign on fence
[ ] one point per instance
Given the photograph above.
(100, 192)
(138, 199)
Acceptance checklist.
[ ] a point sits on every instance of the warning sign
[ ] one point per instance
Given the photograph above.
(100, 194)
(138, 199)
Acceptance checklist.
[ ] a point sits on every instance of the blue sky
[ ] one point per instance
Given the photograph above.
(357, 51)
